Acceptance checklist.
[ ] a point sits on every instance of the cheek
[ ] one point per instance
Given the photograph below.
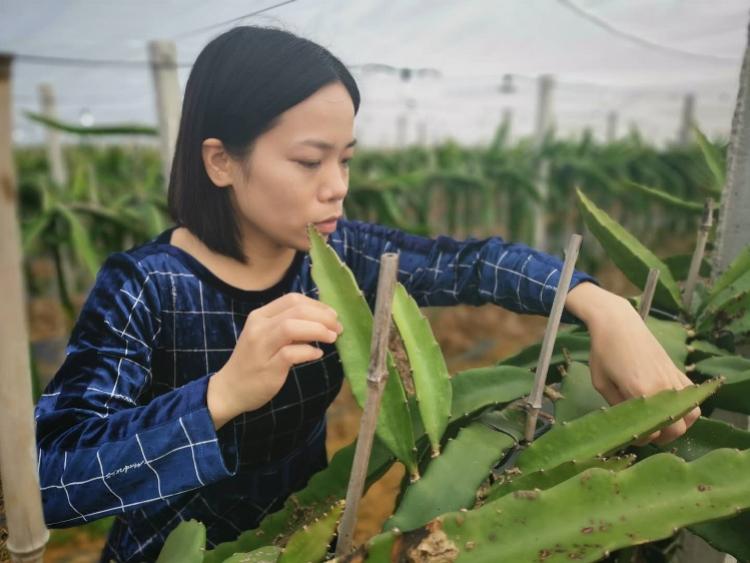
(276, 196)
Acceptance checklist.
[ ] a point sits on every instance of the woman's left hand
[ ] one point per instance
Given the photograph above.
(626, 359)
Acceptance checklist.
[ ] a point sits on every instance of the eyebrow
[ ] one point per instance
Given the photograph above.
(320, 144)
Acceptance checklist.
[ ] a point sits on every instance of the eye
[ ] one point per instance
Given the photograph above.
(346, 161)
(309, 164)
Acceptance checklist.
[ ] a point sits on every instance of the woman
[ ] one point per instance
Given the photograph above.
(199, 372)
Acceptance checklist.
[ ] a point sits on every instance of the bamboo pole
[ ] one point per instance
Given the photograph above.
(377, 375)
(27, 534)
(553, 323)
(648, 293)
(700, 249)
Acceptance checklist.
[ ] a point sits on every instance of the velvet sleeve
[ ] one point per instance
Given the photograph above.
(445, 271)
(102, 449)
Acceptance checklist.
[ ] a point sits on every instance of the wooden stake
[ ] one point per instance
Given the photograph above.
(377, 375)
(648, 293)
(542, 126)
(688, 120)
(733, 229)
(541, 183)
(58, 170)
(550, 333)
(611, 131)
(732, 234)
(700, 249)
(163, 57)
(27, 534)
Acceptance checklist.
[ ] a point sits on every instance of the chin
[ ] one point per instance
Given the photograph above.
(325, 236)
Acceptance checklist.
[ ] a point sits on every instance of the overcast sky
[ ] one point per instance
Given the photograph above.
(636, 57)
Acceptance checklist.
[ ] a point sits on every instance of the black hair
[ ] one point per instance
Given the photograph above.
(239, 85)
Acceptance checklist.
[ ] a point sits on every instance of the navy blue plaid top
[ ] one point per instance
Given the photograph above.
(123, 428)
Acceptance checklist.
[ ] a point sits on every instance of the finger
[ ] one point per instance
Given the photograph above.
(289, 301)
(692, 416)
(307, 312)
(677, 429)
(297, 354)
(671, 432)
(647, 439)
(613, 396)
(288, 331)
(609, 391)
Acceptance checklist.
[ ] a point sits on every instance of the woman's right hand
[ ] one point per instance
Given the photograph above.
(274, 338)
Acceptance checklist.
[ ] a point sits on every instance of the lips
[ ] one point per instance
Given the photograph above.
(328, 226)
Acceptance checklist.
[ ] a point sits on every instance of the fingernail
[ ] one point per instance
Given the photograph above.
(332, 335)
(339, 328)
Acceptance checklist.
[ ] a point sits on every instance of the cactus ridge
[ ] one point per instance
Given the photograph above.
(603, 431)
(338, 288)
(452, 479)
(706, 348)
(630, 255)
(429, 370)
(584, 517)
(579, 395)
(543, 480)
(184, 544)
(310, 543)
(265, 554)
(576, 345)
(733, 297)
(477, 388)
(673, 338)
(323, 489)
(734, 395)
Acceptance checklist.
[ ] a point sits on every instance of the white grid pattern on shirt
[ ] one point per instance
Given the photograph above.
(234, 325)
(247, 419)
(151, 467)
(123, 332)
(125, 398)
(520, 277)
(65, 489)
(192, 451)
(203, 320)
(137, 300)
(104, 480)
(361, 253)
(122, 506)
(436, 270)
(174, 332)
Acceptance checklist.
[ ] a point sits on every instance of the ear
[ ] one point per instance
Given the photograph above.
(217, 162)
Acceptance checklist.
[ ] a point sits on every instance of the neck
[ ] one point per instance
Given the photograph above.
(261, 252)
(266, 262)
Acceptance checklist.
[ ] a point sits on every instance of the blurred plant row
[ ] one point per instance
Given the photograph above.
(116, 195)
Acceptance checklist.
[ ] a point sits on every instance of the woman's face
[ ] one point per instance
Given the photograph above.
(298, 172)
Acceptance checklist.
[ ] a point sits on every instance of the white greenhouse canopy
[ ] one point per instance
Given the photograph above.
(638, 58)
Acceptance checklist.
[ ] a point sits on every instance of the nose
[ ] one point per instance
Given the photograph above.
(335, 183)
